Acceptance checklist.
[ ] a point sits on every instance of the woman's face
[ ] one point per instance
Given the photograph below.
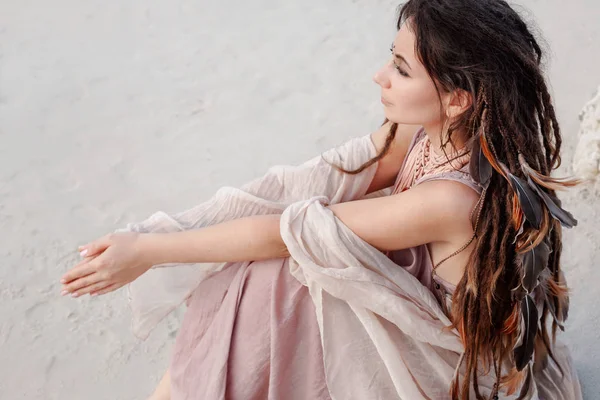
(408, 94)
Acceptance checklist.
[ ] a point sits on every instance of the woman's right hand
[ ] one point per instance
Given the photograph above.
(111, 262)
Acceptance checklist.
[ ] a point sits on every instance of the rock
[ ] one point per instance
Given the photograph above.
(586, 161)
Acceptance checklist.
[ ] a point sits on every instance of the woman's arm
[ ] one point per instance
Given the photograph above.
(245, 239)
(119, 258)
(431, 212)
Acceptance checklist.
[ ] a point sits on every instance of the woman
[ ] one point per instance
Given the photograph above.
(454, 189)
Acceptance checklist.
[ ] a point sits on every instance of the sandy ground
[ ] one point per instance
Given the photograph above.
(110, 111)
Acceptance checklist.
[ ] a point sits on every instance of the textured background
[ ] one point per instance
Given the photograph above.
(110, 111)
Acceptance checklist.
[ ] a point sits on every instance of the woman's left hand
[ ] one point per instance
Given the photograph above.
(110, 262)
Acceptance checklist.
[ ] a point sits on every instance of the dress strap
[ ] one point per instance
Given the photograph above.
(462, 175)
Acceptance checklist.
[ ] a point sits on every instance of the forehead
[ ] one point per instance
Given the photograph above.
(404, 43)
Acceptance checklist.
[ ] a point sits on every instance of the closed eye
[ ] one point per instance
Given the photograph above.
(400, 70)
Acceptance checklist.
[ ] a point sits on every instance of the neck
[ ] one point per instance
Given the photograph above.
(434, 132)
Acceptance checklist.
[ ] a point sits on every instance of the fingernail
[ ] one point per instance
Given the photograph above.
(83, 253)
(62, 281)
(64, 292)
(74, 295)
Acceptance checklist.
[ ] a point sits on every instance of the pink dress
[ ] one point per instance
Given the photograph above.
(250, 331)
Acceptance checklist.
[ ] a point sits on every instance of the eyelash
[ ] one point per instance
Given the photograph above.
(400, 70)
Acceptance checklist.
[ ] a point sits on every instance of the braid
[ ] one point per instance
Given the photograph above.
(553, 158)
(386, 149)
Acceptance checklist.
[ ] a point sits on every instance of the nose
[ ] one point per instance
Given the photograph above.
(382, 77)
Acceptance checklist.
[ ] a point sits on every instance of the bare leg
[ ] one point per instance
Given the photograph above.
(163, 390)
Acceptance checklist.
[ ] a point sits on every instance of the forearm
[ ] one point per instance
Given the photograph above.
(245, 239)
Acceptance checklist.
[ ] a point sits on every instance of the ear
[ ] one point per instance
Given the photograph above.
(459, 101)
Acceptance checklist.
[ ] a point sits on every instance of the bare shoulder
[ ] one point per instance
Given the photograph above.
(389, 166)
(452, 199)
(456, 204)
(434, 211)
(449, 205)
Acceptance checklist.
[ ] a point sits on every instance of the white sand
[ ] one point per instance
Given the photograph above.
(112, 110)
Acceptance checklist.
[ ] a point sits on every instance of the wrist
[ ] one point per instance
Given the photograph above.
(150, 248)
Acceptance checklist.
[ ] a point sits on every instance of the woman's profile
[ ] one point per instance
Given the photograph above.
(421, 261)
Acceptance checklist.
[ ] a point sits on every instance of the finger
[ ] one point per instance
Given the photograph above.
(96, 246)
(82, 269)
(89, 289)
(108, 289)
(85, 261)
(76, 287)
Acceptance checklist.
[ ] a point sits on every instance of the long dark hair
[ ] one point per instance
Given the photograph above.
(485, 48)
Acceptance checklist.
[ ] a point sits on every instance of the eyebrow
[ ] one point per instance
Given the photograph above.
(399, 57)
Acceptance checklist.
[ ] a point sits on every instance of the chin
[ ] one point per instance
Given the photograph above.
(392, 116)
(388, 114)
(397, 118)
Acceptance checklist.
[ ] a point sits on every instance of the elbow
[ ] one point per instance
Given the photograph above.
(276, 247)
(283, 252)
(280, 248)
(273, 250)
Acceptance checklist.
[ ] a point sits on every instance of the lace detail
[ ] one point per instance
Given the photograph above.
(421, 162)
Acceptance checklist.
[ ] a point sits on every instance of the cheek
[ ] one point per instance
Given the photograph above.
(415, 102)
